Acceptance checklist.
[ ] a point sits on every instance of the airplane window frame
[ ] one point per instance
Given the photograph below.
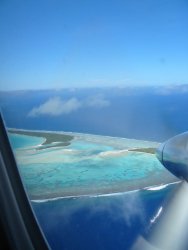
(18, 222)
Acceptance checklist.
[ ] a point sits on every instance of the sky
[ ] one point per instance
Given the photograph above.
(89, 43)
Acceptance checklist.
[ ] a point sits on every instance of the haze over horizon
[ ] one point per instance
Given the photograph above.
(58, 44)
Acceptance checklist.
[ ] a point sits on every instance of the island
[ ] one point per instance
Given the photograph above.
(52, 139)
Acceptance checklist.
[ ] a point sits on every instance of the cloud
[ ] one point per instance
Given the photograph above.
(172, 89)
(97, 101)
(55, 106)
(123, 210)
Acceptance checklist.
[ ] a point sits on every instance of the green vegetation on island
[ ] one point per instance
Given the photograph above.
(51, 139)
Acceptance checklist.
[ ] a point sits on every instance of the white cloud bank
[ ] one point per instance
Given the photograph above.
(97, 101)
(55, 106)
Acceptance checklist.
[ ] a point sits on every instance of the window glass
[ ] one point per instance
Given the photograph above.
(89, 90)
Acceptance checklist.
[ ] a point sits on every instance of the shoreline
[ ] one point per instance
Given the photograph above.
(104, 193)
(61, 139)
(51, 139)
(73, 133)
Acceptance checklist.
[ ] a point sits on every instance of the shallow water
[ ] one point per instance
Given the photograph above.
(90, 165)
(22, 141)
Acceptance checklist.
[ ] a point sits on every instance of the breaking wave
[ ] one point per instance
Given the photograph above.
(150, 188)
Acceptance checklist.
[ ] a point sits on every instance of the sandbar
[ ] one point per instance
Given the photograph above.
(144, 150)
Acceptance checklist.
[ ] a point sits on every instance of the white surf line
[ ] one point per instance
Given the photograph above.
(159, 187)
(84, 196)
(149, 188)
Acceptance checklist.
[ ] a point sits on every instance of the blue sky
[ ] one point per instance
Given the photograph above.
(79, 43)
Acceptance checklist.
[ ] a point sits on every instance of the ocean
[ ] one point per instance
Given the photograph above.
(93, 194)
(149, 113)
(111, 222)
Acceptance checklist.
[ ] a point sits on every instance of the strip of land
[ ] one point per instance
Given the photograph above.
(144, 150)
(51, 139)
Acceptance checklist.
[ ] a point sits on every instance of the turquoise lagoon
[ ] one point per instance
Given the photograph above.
(91, 165)
(21, 141)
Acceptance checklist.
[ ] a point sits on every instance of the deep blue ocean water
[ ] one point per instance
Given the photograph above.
(114, 222)
(142, 113)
